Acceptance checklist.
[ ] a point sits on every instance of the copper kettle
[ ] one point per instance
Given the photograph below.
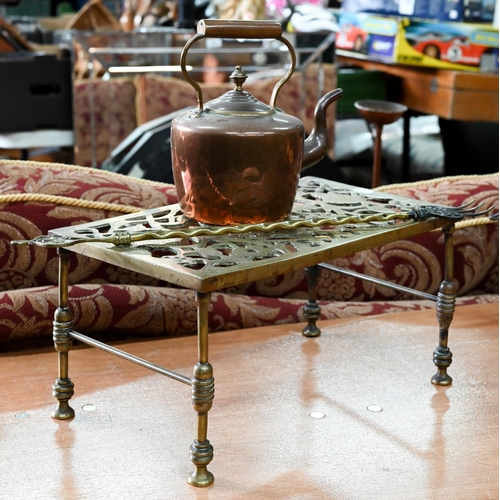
(235, 159)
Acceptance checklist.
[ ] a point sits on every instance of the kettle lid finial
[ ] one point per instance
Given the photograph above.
(238, 102)
(238, 77)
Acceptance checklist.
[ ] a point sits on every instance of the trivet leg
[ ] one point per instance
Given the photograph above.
(62, 389)
(445, 307)
(202, 392)
(311, 310)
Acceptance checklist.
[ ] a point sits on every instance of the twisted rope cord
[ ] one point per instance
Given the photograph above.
(99, 205)
(64, 200)
(480, 221)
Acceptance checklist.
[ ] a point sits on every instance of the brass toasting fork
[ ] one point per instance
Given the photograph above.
(122, 237)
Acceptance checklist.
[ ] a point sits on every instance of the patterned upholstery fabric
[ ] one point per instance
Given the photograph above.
(37, 197)
(104, 115)
(136, 310)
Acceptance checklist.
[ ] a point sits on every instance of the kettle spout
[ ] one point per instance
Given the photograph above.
(316, 144)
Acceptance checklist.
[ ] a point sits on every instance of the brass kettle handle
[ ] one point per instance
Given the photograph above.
(221, 28)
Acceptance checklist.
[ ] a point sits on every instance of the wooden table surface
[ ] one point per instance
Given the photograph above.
(454, 95)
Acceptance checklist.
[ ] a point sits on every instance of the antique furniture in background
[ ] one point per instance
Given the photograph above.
(466, 103)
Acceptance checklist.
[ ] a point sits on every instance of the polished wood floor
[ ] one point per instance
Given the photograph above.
(426, 443)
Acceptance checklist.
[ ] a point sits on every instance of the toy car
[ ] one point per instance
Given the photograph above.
(351, 37)
(456, 49)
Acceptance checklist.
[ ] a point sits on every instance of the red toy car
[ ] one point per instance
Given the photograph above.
(351, 37)
(457, 49)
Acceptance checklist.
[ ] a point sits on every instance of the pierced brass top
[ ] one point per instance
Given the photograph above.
(329, 219)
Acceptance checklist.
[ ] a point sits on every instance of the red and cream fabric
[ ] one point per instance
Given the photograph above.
(111, 311)
(104, 115)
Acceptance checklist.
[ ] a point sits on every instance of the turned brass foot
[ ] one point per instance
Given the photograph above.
(201, 454)
(62, 390)
(442, 359)
(201, 451)
(312, 311)
(445, 308)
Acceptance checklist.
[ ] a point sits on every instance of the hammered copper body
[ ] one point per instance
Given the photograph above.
(242, 171)
(235, 159)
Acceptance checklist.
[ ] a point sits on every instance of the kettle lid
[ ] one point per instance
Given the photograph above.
(238, 102)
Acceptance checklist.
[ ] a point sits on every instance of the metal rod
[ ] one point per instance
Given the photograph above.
(63, 277)
(405, 170)
(378, 281)
(319, 51)
(130, 357)
(377, 154)
(115, 69)
(449, 231)
(64, 313)
(203, 300)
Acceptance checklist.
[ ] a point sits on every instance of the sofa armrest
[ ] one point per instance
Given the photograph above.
(37, 197)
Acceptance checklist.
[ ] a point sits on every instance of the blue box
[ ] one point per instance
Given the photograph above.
(437, 10)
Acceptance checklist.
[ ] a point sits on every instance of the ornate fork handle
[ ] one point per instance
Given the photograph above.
(123, 237)
(425, 212)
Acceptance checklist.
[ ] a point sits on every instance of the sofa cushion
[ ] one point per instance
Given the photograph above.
(37, 197)
(47, 196)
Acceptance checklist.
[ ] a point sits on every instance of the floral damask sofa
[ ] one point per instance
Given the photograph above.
(36, 197)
